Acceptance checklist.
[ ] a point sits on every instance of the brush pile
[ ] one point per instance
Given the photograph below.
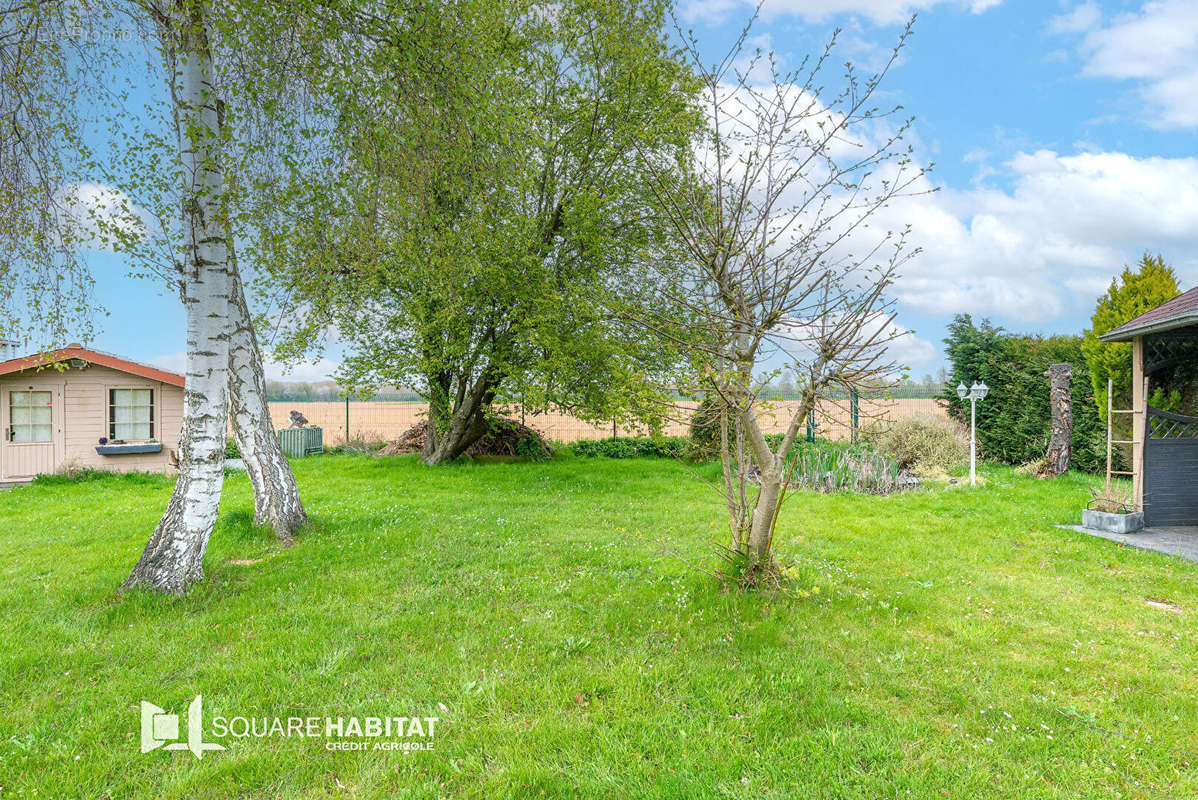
(505, 437)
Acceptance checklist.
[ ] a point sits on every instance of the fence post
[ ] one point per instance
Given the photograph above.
(854, 411)
(811, 425)
(347, 419)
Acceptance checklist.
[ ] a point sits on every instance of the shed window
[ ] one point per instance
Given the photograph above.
(29, 416)
(130, 414)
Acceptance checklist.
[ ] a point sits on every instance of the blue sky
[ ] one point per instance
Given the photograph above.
(1063, 136)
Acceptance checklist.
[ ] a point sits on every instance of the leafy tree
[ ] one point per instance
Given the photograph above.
(45, 286)
(1129, 295)
(480, 213)
(52, 59)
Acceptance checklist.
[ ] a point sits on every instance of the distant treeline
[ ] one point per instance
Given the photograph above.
(905, 389)
(328, 391)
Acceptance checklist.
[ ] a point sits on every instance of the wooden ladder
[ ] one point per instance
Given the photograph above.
(1110, 442)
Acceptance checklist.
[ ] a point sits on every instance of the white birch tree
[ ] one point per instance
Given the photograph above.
(276, 495)
(55, 59)
(173, 558)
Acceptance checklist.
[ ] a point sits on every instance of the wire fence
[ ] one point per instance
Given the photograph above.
(383, 421)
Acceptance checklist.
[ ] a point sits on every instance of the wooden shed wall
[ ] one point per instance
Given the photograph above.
(85, 417)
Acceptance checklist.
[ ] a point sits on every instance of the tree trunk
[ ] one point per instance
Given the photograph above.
(770, 467)
(1056, 460)
(173, 558)
(467, 423)
(764, 511)
(769, 471)
(466, 426)
(276, 495)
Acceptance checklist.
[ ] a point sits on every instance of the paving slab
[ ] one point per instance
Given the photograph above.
(1179, 541)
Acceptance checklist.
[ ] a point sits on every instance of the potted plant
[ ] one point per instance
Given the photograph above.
(1107, 512)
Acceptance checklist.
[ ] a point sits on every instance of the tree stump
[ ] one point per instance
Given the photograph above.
(1056, 460)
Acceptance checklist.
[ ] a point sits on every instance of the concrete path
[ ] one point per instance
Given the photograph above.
(1179, 541)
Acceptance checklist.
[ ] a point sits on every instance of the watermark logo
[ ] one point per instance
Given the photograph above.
(160, 729)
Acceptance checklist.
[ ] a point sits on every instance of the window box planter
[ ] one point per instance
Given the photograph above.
(1111, 522)
(129, 449)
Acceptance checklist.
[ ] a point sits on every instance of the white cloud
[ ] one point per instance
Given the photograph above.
(881, 12)
(171, 362)
(907, 349)
(1082, 18)
(97, 214)
(797, 343)
(320, 370)
(1156, 46)
(1051, 244)
(308, 371)
(1037, 252)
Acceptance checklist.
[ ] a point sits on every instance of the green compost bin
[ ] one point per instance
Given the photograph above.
(300, 442)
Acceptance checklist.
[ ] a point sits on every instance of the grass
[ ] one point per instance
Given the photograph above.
(946, 643)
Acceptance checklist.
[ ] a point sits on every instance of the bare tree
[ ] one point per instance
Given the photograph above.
(780, 267)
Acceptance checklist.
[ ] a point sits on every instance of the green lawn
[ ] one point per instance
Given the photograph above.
(950, 643)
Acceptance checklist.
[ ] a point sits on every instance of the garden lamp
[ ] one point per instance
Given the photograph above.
(975, 393)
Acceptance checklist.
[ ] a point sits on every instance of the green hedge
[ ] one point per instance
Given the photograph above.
(1014, 420)
(633, 447)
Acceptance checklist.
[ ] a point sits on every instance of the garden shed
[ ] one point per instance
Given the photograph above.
(79, 408)
(1165, 442)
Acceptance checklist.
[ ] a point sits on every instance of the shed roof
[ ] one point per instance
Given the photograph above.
(1180, 312)
(73, 351)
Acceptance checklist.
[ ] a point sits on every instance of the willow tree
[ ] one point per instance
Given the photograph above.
(482, 205)
(781, 267)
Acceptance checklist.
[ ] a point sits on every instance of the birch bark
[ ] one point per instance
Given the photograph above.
(276, 494)
(173, 558)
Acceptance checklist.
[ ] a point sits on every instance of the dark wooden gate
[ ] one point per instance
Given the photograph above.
(1170, 469)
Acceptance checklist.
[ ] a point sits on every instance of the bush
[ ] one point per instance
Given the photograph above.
(231, 449)
(368, 444)
(923, 444)
(705, 430)
(633, 447)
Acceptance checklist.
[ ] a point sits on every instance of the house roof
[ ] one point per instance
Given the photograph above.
(1180, 312)
(72, 351)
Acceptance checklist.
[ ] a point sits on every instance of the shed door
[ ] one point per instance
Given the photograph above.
(32, 418)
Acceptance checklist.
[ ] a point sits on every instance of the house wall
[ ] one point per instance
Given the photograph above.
(85, 416)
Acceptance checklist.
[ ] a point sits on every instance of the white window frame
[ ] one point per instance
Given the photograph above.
(12, 426)
(110, 423)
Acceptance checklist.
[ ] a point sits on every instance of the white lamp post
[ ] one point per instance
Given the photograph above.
(974, 393)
